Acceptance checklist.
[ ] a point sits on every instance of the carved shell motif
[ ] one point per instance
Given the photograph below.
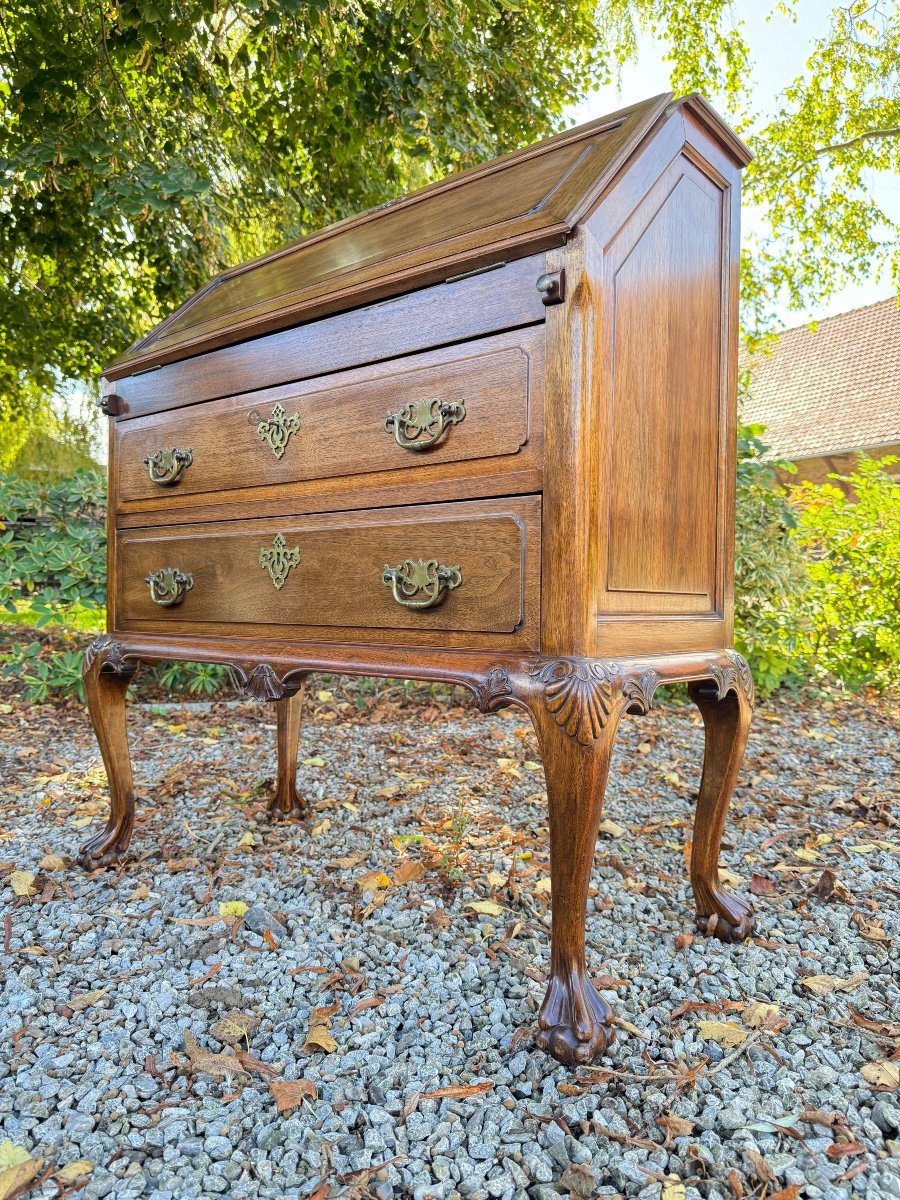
(638, 691)
(578, 694)
(262, 683)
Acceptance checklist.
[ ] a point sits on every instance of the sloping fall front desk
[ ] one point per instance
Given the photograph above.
(482, 435)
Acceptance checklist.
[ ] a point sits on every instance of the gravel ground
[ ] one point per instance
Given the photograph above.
(361, 972)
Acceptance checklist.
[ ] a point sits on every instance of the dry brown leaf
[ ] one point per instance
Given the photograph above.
(764, 1172)
(489, 908)
(759, 1015)
(887, 1028)
(22, 883)
(373, 880)
(17, 1177)
(674, 1126)
(348, 860)
(824, 985)
(363, 1005)
(612, 829)
(86, 999)
(409, 871)
(458, 1091)
(79, 1169)
(884, 1074)
(234, 1027)
(217, 1065)
(290, 1093)
(320, 827)
(791, 1192)
(319, 1038)
(543, 886)
(53, 862)
(256, 1064)
(845, 1149)
(723, 1033)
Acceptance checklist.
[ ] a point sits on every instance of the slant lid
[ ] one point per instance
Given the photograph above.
(516, 205)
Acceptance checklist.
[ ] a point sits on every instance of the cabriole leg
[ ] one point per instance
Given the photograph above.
(727, 724)
(576, 713)
(106, 678)
(286, 802)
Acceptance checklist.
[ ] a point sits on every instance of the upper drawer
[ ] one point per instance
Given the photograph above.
(464, 402)
(502, 298)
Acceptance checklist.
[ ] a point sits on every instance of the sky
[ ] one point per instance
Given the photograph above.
(779, 49)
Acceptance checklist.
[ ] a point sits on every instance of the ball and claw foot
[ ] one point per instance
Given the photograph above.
(98, 853)
(731, 921)
(287, 805)
(575, 1021)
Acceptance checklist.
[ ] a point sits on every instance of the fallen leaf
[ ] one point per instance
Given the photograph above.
(674, 1126)
(844, 1150)
(373, 880)
(256, 1064)
(611, 828)
(458, 1091)
(438, 919)
(764, 1172)
(761, 886)
(141, 892)
(53, 862)
(247, 840)
(234, 1027)
(22, 882)
(319, 1038)
(887, 1028)
(349, 860)
(543, 886)
(489, 908)
(884, 1074)
(209, 1063)
(729, 878)
(806, 854)
(723, 1033)
(79, 1169)
(320, 827)
(684, 940)
(324, 696)
(495, 879)
(757, 1015)
(791, 1192)
(233, 908)
(824, 985)
(315, 761)
(290, 1093)
(86, 999)
(409, 871)
(369, 1002)
(15, 1179)
(11, 1155)
(672, 1189)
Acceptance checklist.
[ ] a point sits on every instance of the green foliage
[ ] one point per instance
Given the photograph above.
(199, 679)
(53, 545)
(850, 537)
(145, 145)
(768, 565)
(835, 125)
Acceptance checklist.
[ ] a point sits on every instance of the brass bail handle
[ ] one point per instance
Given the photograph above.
(168, 586)
(420, 583)
(421, 423)
(166, 467)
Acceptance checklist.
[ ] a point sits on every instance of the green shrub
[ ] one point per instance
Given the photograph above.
(770, 577)
(850, 538)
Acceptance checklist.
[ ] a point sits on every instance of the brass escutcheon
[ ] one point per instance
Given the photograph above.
(420, 583)
(276, 432)
(278, 560)
(168, 586)
(422, 423)
(166, 466)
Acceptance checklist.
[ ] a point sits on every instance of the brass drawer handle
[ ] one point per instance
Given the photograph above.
(276, 432)
(166, 466)
(168, 586)
(421, 583)
(421, 423)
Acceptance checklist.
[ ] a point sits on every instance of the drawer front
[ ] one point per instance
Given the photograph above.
(461, 403)
(356, 573)
(485, 303)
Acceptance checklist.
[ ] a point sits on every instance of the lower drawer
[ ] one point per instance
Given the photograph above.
(442, 574)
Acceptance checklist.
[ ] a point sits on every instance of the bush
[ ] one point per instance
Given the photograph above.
(850, 538)
(770, 577)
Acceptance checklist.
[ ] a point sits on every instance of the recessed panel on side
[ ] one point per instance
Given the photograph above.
(664, 305)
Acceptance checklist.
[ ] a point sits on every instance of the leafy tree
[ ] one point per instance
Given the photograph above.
(835, 125)
(146, 144)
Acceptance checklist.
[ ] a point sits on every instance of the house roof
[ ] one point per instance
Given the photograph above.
(513, 206)
(832, 389)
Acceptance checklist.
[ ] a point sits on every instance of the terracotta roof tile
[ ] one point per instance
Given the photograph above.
(834, 389)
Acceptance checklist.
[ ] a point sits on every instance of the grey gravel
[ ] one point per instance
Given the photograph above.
(454, 992)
